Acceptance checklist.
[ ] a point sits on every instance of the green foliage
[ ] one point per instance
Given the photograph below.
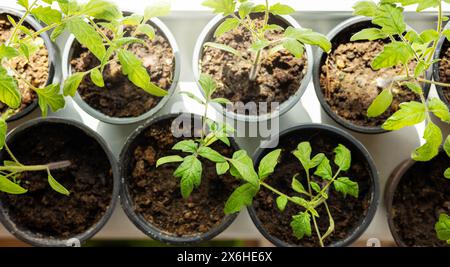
(238, 13)
(442, 228)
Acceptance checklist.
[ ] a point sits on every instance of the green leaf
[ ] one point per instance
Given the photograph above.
(8, 52)
(439, 109)
(87, 36)
(194, 97)
(225, 48)
(133, 20)
(72, 82)
(268, 164)
(430, 149)
(390, 19)
(57, 31)
(347, 187)
(429, 35)
(9, 187)
(324, 170)
(102, 9)
(301, 225)
(187, 146)
(280, 9)
(50, 97)
(125, 41)
(420, 69)
(282, 202)
(158, 9)
(225, 7)
(208, 85)
(97, 78)
(168, 159)
(9, 92)
(147, 30)
(365, 8)
(343, 157)
(222, 168)
(226, 26)
(190, 172)
(316, 160)
(3, 130)
(381, 103)
(222, 101)
(55, 185)
(259, 45)
(442, 227)
(242, 167)
(393, 54)
(47, 15)
(23, 3)
(307, 36)
(294, 47)
(240, 198)
(416, 88)
(447, 173)
(245, 9)
(315, 186)
(447, 146)
(410, 114)
(297, 186)
(303, 154)
(370, 34)
(137, 74)
(211, 154)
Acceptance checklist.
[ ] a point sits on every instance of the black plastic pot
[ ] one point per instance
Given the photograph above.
(39, 240)
(67, 70)
(443, 44)
(128, 204)
(342, 34)
(304, 131)
(52, 56)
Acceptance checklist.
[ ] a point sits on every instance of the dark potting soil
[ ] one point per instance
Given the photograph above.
(34, 70)
(89, 179)
(421, 196)
(349, 83)
(347, 212)
(120, 98)
(278, 79)
(444, 68)
(156, 192)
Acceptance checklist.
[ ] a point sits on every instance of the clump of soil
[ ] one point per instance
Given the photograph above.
(444, 69)
(421, 196)
(278, 79)
(35, 70)
(349, 83)
(156, 192)
(42, 210)
(120, 98)
(347, 212)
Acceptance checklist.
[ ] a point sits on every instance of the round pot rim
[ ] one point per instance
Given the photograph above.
(138, 220)
(51, 50)
(24, 235)
(375, 188)
(285, 106)
(436, 75)
(335, 32)
(66, 70)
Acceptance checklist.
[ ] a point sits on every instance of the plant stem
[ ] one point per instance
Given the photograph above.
(255, 67)
(21, 21)
(11, 154)
(99, 31)
(49, 166)
(316, 227)
(279, 193)
(433, 82)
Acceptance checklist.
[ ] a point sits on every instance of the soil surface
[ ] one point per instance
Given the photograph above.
(35, 70)
(42, 210)
(347, 212)
(349, 84)
(278, 79)
(156, 193)
(120, 98)
(421, 196)
(444, 68)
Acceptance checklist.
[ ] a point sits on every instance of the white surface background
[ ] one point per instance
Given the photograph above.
(186, 22)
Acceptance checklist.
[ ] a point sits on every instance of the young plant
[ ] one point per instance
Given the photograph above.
(308, 199)
(443, 228)
(190, 168)
(89, 24)
(238, 14)
(408, 46)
